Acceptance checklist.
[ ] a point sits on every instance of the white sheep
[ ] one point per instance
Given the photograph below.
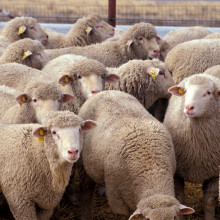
(193, 119)
(192, 57)
(133, 155)
(35, 186)
(139, 42)
(26, 51)
(87, 30)
(38, 99)
(214, 71)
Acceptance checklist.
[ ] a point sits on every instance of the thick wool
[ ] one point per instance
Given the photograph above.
(40, 176)
(129, 151)
(114, 54)
(15, 53)
(192, 57)
(214, 35)
(137, 82)
(11, 112)
(33, 30)
(77, 36)
(185, 34)
(214, 71)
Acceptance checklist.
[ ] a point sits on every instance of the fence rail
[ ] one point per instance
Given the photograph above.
(157, 14)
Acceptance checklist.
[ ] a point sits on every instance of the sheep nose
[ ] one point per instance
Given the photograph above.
(72, 153)
(157, 51)
(189, 108)
(95, 91)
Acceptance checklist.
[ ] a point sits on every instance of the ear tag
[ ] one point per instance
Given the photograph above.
(87, 32)
(153, 74)
(126, 44)
(20, 104)
(137, 216)
(40, 139)
(181, 91)
(66, 79)
(24, 99)
(26, 54)
(41, 132)
(21, 30)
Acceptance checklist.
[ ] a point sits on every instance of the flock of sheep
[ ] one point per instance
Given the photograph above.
(55, 118)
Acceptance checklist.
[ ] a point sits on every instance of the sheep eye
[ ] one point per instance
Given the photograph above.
(54, 132)
(162, 72)
(32, 27)
(79, 77)
(140, 38)
(98, 26)
(34, 100)
(38, 53)
(209, 93)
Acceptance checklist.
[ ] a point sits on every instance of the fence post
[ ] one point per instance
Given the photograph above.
(112, 12)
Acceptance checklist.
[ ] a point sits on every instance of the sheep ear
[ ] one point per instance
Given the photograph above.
(129, 43)
(40, 133)
(111, 77)
(152, 71)
(185, 210)
(68, 98)
(158, 38)
(88, 31)
(136, 215)
(22, 99)
(217, 94)
(87, 125)
(176, 90)
(26, 54)
(64, 80)
(21, 29)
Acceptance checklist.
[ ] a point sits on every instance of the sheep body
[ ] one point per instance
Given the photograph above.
(132, 153)
(192, 57)
(181, 35)
(214, 71)
(139, 42)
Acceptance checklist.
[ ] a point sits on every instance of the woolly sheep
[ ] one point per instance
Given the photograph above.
(192, 57)
(84, 78)
(193, 119)
(26, 51)
(214, 71)
(146, 80)
(35, 186)
(214, 35)
(87, 30)
(38, 99)
(132, 153)
(139, 42)
(24, 27)
(185, 34)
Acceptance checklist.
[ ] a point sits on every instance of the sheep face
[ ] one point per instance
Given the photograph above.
(200, 96)
(151, 46)
(103, 30)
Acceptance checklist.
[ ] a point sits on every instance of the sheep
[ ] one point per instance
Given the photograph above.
(214, 71)
(147, 80)
(139, 42)
(193, 119)
(35, 186)
(214, 35)
(181, 35)
(87, 30)
(132, 153)
(83, 79)
(38, 99)
(26, 51)
(192, 57)
(24, 27)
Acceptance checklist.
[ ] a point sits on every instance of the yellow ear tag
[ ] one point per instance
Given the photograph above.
(23, 98)
(126, 44)
(20, 30)
(25, 55)
(20, 104)
(137, 216)
(87, 32)
(153, 74)
(181, 91)
(41, 132)
(66, 79)
(40, 139)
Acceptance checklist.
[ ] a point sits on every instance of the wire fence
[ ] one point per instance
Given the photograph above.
(157, 14)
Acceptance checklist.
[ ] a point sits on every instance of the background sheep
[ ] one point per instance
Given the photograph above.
(28, 52)
(214, 35)
(193, 119)
(24, 27)
(146, 80)
(192, 57)
(214, 71)
(139, 42)
(132, 153)
(185, 34)
(38, 99)
(49, 162)
(87, 30)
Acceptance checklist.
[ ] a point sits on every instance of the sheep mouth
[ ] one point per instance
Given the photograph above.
(44, 42)
(72, 158)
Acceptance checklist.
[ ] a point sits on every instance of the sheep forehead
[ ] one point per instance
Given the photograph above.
(19, 21)
(61, 119)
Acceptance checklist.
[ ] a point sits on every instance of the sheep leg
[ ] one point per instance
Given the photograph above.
(43, 214)
(210, 189)
(87, 187)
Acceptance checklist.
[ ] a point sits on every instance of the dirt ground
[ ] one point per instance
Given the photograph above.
(101, 210)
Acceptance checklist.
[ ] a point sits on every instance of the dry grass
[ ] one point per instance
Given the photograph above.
(128, 11)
